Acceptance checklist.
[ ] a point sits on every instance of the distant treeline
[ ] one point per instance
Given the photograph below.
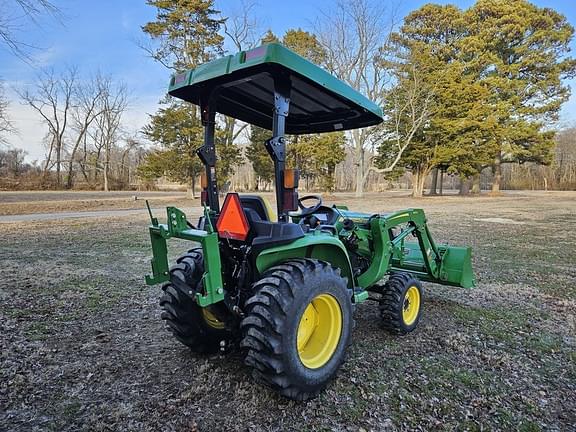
(471, 99)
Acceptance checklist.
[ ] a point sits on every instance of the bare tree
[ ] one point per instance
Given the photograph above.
(6, 126)
(113, 104)
(407, 108)
(125, 166)
(86, 109)
(242, 29)
(565, 162)
(355, 35)
(15, 16)
(12, 162)
(52, 99)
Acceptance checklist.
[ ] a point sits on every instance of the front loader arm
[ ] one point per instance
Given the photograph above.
(448, 265)
(386, 247)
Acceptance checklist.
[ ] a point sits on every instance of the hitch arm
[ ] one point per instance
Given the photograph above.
(177, 227)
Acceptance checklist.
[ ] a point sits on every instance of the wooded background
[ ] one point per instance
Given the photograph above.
(471, 102)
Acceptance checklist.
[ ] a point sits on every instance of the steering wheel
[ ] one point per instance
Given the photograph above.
(306, 211)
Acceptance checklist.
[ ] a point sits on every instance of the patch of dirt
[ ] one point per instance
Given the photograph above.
(13, 203)
(83, 347)
(500, 220)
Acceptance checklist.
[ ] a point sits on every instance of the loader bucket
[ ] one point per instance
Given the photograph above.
(456, 266)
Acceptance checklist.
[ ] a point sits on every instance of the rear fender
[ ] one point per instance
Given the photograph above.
(323, 247)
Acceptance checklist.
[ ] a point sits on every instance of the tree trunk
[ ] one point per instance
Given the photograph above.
(58, 162)
(476, 184)
(360, 166)
(96, 160)
(70, 179)
(106, 178)
(48, 158)
(441, 182)
(464, 186)
(418, 182)
(434, 184)
(415, 180)
(106, 166)
(107, 148)
(497, 170)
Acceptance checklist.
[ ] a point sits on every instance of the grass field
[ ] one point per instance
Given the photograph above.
(82, 346)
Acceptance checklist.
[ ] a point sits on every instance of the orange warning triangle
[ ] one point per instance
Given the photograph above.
(232, 222)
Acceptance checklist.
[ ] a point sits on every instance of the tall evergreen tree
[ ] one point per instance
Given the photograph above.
(316, 156)
(185, 34)
(258, 156)
(519, 51)
(426, 71)
(176, 129)
(306, 44)
(496, 71)
(269, 37)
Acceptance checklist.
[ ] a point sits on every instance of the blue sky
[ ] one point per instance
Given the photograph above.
(103, 35)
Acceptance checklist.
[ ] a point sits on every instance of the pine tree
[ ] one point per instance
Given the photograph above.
(305, 44)
(496, 73)
(179, 133)
(258, 156)
(519, 51)
(186, 34)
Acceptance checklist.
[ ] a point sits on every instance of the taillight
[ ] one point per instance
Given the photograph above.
(290, 200)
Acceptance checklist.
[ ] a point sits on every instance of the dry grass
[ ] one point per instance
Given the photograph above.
(83, 347)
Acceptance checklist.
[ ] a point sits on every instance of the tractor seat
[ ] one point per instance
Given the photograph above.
(256, 204)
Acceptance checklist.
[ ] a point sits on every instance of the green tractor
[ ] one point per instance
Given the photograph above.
(284, 287)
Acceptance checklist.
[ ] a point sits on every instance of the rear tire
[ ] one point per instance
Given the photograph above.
(401, 303)
(297, 327)
(201, 329)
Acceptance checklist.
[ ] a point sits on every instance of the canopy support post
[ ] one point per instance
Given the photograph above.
(207, 153)
(276, 145)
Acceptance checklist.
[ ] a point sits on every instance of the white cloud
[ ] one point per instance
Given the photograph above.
(45, 57)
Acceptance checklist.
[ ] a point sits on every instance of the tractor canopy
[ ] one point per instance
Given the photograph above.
(243, 88)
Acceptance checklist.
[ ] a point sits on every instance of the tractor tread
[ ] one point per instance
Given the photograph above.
(263, 327)
(180, 311)
(391, 303)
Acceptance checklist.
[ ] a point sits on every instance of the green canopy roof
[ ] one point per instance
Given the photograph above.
(319, 102)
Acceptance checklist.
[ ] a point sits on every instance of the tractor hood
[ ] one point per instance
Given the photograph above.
(244, 86)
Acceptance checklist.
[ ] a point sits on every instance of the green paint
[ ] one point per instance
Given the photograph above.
(412, 250)
(447, 265)
(319, 245)
(278, 54)
(177, 227)
(382, 243)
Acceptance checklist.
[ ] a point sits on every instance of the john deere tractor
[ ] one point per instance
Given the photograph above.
(283, 287)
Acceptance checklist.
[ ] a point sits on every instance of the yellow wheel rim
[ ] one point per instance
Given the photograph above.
(411, 306)
(211, 319)
(319, 331)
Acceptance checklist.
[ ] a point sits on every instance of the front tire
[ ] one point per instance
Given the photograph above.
(297, 327)
(401, 303)
(200, 329)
